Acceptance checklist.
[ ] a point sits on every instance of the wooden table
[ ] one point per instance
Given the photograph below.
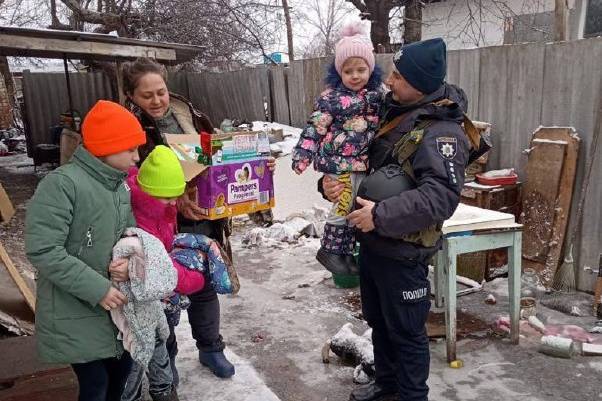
(471, 230)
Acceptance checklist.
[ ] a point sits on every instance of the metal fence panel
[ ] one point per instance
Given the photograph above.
(45, 97)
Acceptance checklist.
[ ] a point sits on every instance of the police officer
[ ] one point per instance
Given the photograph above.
(421, 133)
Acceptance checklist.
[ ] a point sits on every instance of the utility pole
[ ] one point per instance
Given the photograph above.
(289, 30)
(561, 20)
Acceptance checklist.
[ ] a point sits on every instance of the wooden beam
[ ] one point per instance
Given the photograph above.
(13, 44)
(7, 211)
(561, 13)
(16, 276)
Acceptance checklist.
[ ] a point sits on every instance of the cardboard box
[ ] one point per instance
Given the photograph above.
(237, 181)
(236, 188)
(234, 147)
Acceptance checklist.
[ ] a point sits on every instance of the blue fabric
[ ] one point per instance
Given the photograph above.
(199, 252)
(423, 64)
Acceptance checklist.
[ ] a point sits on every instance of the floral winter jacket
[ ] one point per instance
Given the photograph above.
(339, 131)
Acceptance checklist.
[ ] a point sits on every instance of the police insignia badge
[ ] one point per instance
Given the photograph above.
(447, 147)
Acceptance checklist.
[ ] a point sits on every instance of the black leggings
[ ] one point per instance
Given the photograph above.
(104, 379)
(204, 312)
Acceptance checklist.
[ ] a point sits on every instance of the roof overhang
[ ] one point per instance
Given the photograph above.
(46, 43)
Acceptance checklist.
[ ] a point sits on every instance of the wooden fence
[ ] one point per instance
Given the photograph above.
(515, 87)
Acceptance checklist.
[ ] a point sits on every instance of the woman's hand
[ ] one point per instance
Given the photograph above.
(187, 204)
(271, 163)
(119, 270)
(332, 188)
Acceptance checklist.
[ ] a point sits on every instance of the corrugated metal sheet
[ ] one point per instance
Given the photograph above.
(45, 97)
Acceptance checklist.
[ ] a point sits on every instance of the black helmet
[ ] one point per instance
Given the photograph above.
(384, 183)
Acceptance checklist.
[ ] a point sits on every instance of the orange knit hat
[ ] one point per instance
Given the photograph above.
(110, 128)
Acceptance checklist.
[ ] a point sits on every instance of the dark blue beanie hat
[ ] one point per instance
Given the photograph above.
(423, 64)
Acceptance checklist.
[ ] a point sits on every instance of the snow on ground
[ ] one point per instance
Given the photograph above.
(295, 193)
(291, 136)
(198, 383)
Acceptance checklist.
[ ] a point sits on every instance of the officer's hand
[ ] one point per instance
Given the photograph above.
(113, 299)
(119, 270)
(362, 218)
(332, 188)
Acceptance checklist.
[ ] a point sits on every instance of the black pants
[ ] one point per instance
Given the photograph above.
(396, 303)
(204, 312)
(104, 379)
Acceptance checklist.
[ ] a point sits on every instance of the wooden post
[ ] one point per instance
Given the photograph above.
(561, 21)
(121, 93)
(29, 296)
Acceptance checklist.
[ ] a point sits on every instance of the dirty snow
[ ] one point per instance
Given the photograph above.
(291, 136)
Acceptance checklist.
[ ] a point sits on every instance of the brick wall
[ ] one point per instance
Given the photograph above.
(6, 114)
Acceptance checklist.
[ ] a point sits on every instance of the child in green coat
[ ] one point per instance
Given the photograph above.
(77, 214)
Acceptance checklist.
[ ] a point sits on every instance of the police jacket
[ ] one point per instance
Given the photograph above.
(438, 165)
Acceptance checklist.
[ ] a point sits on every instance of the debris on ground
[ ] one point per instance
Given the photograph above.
(355, 349)
(490, 300)
(557, 346)
(309, 223)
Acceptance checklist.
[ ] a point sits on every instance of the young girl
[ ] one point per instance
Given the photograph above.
(336, 139)
(154, 189)
(78, 213)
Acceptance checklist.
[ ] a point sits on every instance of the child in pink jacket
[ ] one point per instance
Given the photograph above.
(154, 190)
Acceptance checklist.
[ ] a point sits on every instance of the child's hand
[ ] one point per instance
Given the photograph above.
(113, 299)
(119, 270)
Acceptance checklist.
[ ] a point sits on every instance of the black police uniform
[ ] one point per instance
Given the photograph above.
(395, 289)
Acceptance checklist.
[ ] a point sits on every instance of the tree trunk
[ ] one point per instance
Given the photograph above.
(289, 30)
(412, 22)
(379, 34)
(8, 80)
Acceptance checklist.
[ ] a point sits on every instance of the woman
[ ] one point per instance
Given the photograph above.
(162, 112)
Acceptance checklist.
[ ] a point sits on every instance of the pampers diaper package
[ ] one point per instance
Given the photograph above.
(235, 178)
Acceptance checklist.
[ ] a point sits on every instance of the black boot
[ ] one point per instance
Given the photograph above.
(373, 392)
(336, 264)
(171, 395)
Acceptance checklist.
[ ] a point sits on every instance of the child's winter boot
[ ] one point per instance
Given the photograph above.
(217, 363)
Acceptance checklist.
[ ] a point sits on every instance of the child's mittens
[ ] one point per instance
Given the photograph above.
(189, 281)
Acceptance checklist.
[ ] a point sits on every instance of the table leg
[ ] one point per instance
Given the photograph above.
(450, 257)
(439, 275)
(514, 273)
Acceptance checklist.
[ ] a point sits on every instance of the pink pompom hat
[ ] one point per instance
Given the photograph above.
(354, 43)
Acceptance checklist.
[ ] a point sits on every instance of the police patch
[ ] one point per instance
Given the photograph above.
(447, 147)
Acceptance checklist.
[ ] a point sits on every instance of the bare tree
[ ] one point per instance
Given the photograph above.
(326, 18)
(378, 12)
(289, 30)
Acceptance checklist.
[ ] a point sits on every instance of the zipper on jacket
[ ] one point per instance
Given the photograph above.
(87, 242)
